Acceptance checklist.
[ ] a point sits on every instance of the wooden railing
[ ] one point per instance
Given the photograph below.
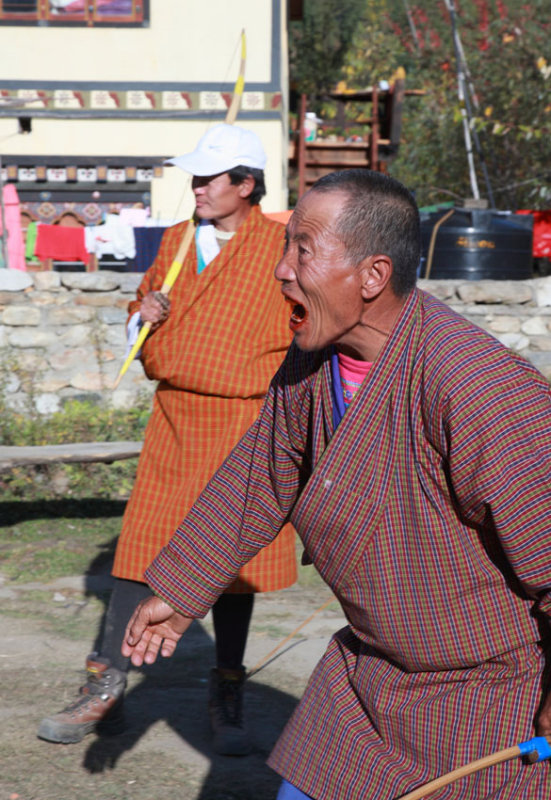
(106, 452)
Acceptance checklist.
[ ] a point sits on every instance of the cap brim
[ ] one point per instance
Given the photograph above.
(198, 164)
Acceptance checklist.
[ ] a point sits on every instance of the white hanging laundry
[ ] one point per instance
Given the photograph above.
(111, 238)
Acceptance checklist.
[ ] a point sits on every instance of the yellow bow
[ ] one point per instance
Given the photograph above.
(176, 265)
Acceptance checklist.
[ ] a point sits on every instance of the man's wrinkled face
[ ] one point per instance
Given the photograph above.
(216, 197)
(322, 286)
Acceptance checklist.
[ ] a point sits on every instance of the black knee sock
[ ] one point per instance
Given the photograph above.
(231, 615)
(124, 598)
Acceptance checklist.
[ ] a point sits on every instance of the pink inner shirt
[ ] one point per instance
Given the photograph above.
(352, 374)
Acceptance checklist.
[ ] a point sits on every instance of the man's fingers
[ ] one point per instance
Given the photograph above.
(153, 645)
(136, 626)
(146, 650)
(137, 635)
(162, 304)
(154, 627)
(126, 649)
(167, 648)
(163, 300)
(155, 308)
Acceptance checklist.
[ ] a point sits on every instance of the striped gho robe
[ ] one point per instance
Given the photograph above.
(226, 335)
(427, 511)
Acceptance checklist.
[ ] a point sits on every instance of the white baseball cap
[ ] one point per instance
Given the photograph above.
(220, 149)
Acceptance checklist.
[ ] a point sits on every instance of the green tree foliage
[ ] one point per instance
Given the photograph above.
(319, 42)
(507, 49)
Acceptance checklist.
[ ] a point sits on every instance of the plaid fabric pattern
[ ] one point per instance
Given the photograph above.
(427, 512)
(225, 337)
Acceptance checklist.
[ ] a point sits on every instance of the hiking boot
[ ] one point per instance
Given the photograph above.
(226, 712)
(99, 706)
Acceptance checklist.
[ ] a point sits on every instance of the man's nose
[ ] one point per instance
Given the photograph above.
(283, 270)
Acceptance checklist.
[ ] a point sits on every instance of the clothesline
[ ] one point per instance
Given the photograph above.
(138, 244)
(130, 235)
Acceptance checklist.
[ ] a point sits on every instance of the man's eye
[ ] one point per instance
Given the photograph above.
(302, 250)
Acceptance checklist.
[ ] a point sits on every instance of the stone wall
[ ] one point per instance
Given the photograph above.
(518, 313)
(62, 335)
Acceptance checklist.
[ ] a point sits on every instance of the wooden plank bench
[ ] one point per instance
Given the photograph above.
(106, 452)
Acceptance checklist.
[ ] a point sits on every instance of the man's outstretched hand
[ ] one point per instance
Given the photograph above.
(154, 626)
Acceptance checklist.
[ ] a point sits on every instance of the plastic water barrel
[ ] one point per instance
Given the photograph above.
(475, 244)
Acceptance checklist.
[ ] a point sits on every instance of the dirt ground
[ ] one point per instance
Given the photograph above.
(165, 750)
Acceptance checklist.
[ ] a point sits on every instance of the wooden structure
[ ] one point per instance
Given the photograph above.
(313, 159)
(106, 452)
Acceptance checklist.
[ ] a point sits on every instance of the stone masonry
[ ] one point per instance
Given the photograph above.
(62, 335)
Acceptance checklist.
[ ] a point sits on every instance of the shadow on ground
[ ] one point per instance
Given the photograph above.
(166, 703)
(172, 696)
(14, 511)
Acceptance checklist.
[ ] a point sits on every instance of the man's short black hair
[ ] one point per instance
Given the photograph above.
(238, 175)
(379, 216)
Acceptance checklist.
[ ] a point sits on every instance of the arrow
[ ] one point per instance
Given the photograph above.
(537, 749)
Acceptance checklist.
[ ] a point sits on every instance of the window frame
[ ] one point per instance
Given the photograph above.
(89, 17)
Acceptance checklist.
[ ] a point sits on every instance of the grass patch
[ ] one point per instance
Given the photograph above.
(49, 539)
(41, 541)
(63, 519)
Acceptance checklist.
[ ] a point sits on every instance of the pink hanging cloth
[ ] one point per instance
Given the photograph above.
(16, 247)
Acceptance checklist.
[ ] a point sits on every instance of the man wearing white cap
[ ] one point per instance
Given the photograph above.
(213, 349)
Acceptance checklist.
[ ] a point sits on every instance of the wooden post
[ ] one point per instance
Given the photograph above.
(374, 135)
(301, 147)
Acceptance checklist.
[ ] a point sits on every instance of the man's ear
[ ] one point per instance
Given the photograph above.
(246, 187)
(376, 272)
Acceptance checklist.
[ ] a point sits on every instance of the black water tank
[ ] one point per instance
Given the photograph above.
(477, 244)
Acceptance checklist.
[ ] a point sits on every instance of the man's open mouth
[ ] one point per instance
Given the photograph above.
(298, 314)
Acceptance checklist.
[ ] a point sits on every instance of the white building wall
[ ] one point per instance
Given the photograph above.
(186, 42)
(148, 91)
(146, 138)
